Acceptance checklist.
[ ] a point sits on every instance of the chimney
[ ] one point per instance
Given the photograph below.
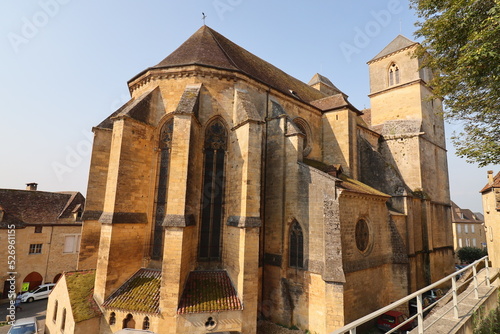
(31, 186)
(490, 177)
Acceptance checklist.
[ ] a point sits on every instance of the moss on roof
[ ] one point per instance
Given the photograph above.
(81, 294)
(359, 187)
(208, 291)
(140, 293)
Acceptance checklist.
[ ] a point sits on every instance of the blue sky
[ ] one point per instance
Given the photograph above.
(65, 63)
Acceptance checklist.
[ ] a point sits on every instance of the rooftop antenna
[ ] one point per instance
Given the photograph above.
(203, 18)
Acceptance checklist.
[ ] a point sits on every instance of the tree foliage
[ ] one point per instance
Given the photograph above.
(462, 44)
(471, 254)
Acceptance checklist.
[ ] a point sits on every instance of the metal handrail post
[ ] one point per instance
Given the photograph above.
(487, 272)
(455, 298)
(474, 273)
(420, 315)
(352, 331)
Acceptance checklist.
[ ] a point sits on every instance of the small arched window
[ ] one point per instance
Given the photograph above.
(145, 323)
(112, 318)
(54, 316)
(393, 74)
(304, 128)
(63, 322)
(296, 251)
(129, 321)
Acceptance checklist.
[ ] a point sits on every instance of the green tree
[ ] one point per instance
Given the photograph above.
(471, 254)
(461, 42)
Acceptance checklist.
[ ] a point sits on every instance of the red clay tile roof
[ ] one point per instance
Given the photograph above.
(140, 293)
(208, 291)
(333, 102)
(38, 207)
(207, 47)
(80, 285)
(468, 215)
(495, 184)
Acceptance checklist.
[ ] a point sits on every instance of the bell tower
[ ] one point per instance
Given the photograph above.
(411, 123)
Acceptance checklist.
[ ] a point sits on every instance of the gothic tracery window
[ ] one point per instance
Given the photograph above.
(296, 251)
(393, 74)
(165, 146)
(213, 191)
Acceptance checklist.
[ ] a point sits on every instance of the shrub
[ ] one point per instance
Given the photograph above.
(471, 254)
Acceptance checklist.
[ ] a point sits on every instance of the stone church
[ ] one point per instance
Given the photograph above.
(227, 191)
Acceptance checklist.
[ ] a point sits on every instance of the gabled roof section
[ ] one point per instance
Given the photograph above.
(208, 291)
(207, 47)
(459, 215)
(398, 43)
(80, 286)
(490, 185)
(140, 293)
(38, 207)
(318, 78)
(333, 102)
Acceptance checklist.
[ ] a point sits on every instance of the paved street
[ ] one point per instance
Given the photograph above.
(36, 309)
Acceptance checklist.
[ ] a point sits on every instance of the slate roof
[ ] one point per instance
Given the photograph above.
(206, 47)
(208, 291)
(398, 43)
(80, 286)
(488, 186)
(140, 293)
(23, 207)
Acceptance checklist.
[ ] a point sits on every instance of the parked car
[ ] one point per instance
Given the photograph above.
(392, 319)
(41, 292)
(428, 298)
(24, 326)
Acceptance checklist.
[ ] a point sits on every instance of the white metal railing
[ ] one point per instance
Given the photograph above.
(419, 316)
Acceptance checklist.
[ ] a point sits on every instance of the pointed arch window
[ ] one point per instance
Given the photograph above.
(145, 323)
(393, 74)
(213, 191)
(165, 146)
(296, 251)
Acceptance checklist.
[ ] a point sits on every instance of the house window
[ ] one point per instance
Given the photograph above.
(474, 244)
(466, 228)
(63, 322)
(296, 246)
(112, 318)
(38, 229)
(459, 228)
(35, 249)
(472, 229)
(54, 316)
(467, 242)
(145, 323)
(213, 191)
(71, 243)
(393, 75)
(165, 146)
(459, 242)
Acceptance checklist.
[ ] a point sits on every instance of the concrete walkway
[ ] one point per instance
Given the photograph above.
(442, 319)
